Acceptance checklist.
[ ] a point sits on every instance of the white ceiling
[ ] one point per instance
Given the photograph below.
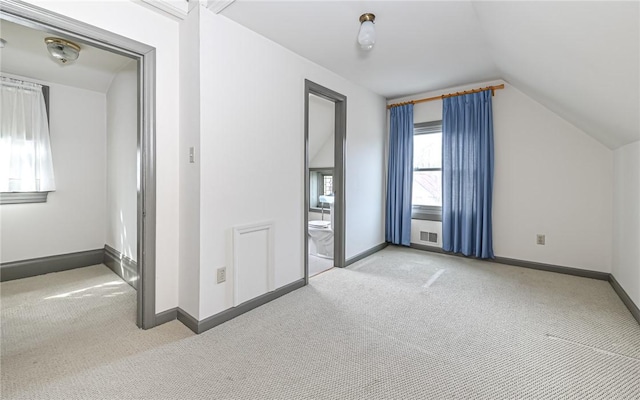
(579, 59)
(25, 54)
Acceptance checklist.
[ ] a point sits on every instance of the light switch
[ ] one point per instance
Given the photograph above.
(192, 155)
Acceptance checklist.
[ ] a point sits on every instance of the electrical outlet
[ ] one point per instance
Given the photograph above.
(222, 274)
(540, 239)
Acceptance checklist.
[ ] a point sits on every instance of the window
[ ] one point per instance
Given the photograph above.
(26, 167)
(320, 184)
(427, 171)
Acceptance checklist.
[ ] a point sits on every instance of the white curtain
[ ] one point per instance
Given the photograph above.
(25, 152)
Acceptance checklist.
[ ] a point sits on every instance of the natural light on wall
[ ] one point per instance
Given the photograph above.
(25, 151)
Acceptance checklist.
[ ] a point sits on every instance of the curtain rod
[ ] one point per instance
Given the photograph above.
(13, 81)
(444, 96)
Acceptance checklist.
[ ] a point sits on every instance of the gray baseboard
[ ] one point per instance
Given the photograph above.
(226, 315)
(166, 316)
(123, 266)
(585, 273)
(633, 308)
(45, 265)
(366, 253)
(188, 321)
(603, 276)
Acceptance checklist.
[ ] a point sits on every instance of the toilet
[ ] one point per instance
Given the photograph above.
(321, 234)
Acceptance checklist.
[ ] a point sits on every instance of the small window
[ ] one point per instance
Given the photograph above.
(26, 166)
(320, 184)
(427, 171)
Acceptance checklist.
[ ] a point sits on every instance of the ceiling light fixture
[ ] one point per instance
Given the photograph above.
(367, 33)
(62, 50)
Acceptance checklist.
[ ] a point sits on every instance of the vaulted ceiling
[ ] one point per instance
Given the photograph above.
(580, 59)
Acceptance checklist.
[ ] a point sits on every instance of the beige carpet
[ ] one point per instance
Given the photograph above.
(318, 264)
(401, 324)
(64, 324)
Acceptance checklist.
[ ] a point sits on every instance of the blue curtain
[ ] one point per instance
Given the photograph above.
(467, 174)
(400, 176)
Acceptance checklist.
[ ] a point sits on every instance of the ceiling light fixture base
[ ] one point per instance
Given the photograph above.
(62, 50)
(367, 17)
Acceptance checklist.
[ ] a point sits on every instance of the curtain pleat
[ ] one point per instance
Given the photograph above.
(400, 176)
(467, 174)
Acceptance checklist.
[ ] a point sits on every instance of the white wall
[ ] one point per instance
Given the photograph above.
(252, 152)
(73, 218)
(139, 23)
(626, 219)
(550, 178)
(189, 274)
(122, 145)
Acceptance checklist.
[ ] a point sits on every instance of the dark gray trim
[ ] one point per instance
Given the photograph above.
(226, 315)
(166, 316)
(187, 320)
(585, 273)
(46, 90)
(147, 190)
(339, 184)
(56, 24)
(23, 197)
(121, 265)
(45, 265)
(603, 276)
(47, 21)
(633, 308)
(366, 253)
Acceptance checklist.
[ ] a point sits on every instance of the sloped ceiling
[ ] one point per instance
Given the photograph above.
(580, 59)
(321, 124)
(25, 54)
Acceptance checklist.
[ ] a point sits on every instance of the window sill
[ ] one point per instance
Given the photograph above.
(319, 210)
(23, 197)
(427, 213)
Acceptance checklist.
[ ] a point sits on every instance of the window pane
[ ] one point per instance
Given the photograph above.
(328, 185)
(427, 151)
(427, 188)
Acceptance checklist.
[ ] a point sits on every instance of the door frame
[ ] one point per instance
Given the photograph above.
(56, 24)
(339, 184)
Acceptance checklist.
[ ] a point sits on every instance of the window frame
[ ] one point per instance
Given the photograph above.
(320, 187)
(428, 213)
(30, 197)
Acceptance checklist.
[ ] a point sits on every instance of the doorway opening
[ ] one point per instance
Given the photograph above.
(324, 200)
(144, 57)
